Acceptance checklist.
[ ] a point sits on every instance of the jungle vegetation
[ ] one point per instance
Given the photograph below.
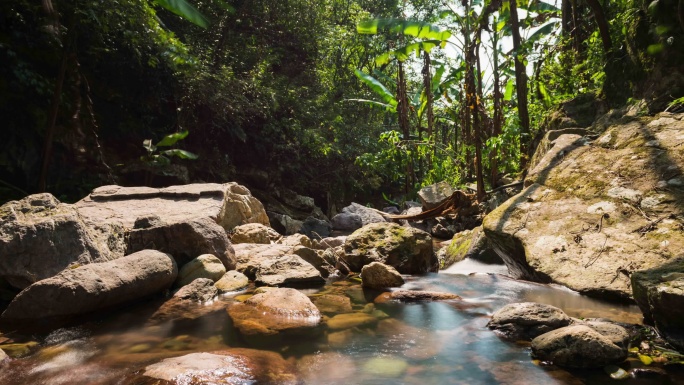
(336, 99)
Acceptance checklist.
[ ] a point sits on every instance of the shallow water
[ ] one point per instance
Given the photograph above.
(422, 343)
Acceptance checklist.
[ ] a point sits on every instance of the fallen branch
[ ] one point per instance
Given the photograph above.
(453, 205)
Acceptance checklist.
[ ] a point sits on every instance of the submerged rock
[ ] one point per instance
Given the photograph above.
(408, 250)
(527, 320)
(377, 275)
(351, 320)
(275, 314)
(94, 287)
(414, 296)
(577, 346)
(332, 304)
(231, 366)
(40, 236)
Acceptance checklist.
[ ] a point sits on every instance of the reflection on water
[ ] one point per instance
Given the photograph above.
(422, 343)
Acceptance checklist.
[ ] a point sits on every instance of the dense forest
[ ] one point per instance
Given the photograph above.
(335, 99)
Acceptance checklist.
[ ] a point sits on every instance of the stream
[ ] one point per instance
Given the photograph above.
(415, 343)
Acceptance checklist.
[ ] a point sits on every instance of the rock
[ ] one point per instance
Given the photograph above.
(296, 240)
(316, 228)
(228, 204)
(253, 233)
(232, 281)
(387, 367)
(406, 249)
(199, 290)
(39, 237)
(367, 215)
(377, 275)
(433, 195)
(333, 304)
(615, 333)
(326, 368)
(527, 320)
(204, 266)
(471, 244)
(577, 346)
(276, 265)
(441, 232)
(19, 350)
(185, 241)
(351, 320)
(3, 355)
(275, 314)
(391, 210)
(332, 242)
(92, 287)
(288, 270)
(232, 366)
(347, 221)
(414, 296)
(284, 224)
(580, 209)
(659, 292)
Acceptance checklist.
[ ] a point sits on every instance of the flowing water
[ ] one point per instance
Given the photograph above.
(420, 343)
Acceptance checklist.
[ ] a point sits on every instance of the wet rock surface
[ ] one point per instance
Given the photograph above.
(527, 320)
(205, 266)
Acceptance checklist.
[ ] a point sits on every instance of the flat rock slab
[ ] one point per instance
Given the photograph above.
(414, 296)
(277, 265)
(594, 212)
(228, 204)
(94, 287)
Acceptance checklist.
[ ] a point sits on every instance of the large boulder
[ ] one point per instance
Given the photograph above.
(284, 224)
(184, 240)
(277, 265)
(199, 290)
(232, 281)
(92, 287)
(316, 228)
(228, 204)
(274, 315)
(39, 237)
(577, 346)
(592, 213)
(527, 320)
(433, 195)
(471, 244)
(406, 249)
(232, 366)
(347, 221)
(659, 292)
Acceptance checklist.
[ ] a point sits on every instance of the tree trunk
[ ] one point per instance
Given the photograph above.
(521, 87)
(496, 126)
(602, 23)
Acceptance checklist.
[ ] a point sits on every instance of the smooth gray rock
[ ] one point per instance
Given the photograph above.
(526, 320)
(347, 221)
(368, 215)
(316, 228)
(577, 346)
(94, 287)
(433, 195)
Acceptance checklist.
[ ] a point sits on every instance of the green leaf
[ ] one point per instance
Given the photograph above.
(538, 7)
(377, 87)
(654, 49)
(508, 94)
(183, 9)
(646, 360)
(170, 140)
(373, 102)
(403, 53)
(543, 31)
(500, 25)
(416, 28)
(180, 154)
(545, 93)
